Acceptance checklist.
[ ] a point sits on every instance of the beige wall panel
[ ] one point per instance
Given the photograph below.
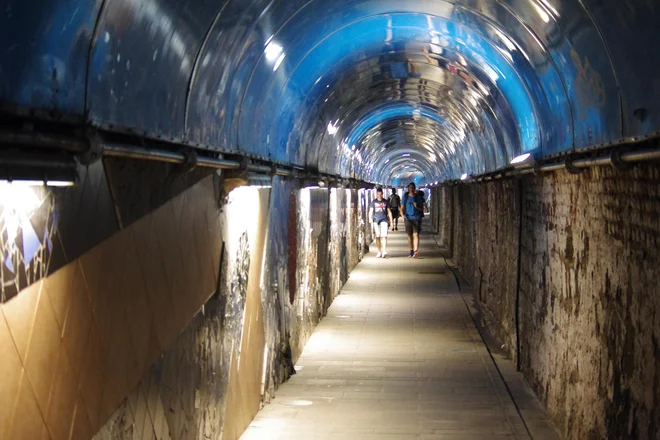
(82, 427)
(93, 376)
(20, 312)
(43, 351)
(138, 315)
(156, 285)
(63, 399)
(163, 223)
(28, 421)
(11, 371)
(78, 321)
(244, 392)
(74, 344)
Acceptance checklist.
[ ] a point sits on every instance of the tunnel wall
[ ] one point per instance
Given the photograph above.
(589, 299)
(441, 216)
(172, 326)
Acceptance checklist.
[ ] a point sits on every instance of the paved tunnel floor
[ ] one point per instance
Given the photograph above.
(398, 357)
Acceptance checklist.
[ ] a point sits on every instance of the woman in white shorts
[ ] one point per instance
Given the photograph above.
(381, 216)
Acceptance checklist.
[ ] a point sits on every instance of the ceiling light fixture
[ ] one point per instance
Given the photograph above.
(62, 175)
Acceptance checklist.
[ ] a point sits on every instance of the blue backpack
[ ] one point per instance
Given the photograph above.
(419, 200)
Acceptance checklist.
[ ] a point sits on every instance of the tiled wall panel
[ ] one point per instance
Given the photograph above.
(130, 341)
(41, 230)
(85, 335)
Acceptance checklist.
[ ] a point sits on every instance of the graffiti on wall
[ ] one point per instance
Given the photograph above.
(235, 308)
(293, 248)
(275, 294)
(28, 222)
(192, 376)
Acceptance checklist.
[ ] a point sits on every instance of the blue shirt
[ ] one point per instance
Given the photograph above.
(409, 210)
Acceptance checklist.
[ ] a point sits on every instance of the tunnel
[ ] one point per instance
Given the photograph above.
(188, 248)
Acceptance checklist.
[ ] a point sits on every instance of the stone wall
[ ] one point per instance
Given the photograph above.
(463, 243)
(589, 297)
(441, 216)
(590, 300)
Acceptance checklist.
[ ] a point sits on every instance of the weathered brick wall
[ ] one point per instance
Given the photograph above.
(589, 297)
(496, 266)
(441, 212)
(590, 301)
(463, 249)
(486, 226)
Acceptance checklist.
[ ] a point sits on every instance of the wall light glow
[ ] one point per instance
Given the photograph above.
(264, 370)
(59, 183)
(541, 11)
(332, 128)
(463, 177)
(551, 8)
(278, 62)
(23, 182)
(506, 40)
(19, 202)
(520, 159)
(273, 51)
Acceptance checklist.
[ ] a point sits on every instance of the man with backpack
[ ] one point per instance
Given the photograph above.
(395, 203)
(412, 211)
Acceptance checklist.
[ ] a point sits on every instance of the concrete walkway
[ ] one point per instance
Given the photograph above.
(398, 357)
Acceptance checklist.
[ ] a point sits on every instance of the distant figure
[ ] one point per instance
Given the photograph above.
(395, 203)
(412, 212)
(381, 217)
(425, 208)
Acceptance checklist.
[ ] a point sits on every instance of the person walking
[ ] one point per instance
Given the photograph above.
(381, 217)
(395, 203)
(412, 212)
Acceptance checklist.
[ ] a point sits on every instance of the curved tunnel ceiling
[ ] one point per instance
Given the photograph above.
(381, 90)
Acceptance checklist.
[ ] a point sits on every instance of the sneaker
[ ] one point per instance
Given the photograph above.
(378, 255)
(411, 254)
(415, 254)
(385, 254)
(396, 229)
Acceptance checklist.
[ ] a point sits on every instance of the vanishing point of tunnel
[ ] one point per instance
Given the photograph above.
(339, 219)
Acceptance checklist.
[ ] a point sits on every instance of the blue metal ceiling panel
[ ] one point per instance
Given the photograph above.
(141, 63)
(377, 89)
(630, 31)
(233, 45)
(44, 46)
